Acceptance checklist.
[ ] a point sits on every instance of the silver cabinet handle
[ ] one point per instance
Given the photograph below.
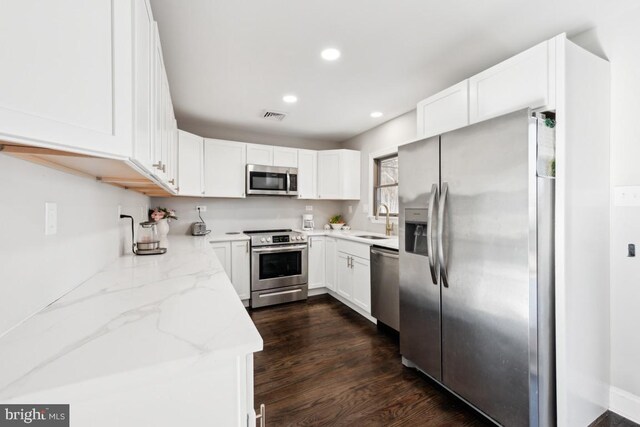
(441, 208)
(164, 168)
(430, 254)
(172, 181)
(158, 165)
(310, 242)
(247, 245)
(262, 416)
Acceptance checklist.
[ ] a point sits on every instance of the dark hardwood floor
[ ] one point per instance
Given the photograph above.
(324, 365)
(610, 419)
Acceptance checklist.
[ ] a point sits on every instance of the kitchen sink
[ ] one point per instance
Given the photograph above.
(368, 236)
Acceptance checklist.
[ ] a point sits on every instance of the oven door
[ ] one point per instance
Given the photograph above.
(272, 180)
(278, 266)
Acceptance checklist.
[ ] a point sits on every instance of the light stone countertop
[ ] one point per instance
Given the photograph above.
(138, 313)
(391, 242)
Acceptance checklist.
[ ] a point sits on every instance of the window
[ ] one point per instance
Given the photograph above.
(385, 184)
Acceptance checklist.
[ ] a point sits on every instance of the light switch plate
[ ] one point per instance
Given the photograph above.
(350, 209)
(50, 218)
(626, 196)
(203, 208)
(308, 208)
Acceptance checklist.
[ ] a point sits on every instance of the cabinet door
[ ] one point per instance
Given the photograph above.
(345, 276)
(224, 168)
(158, 105)
(307, 174)
(329, 177)
(66, 78)
(362, 283)
(316, 262)
(223, 252)
(526, 80)
(258, 154)
(190, 159)
(241, 269)
(143, 79)
(285, 157)
(350, 174)
(444, 111)
(330, 262)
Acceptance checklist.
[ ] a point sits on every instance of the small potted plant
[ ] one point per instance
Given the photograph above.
(336, 222)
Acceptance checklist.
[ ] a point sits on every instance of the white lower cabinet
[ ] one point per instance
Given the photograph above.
(330, 262)
(241, 268)
(353, 276)
(316, 262)
(223, 252)
(235, 257)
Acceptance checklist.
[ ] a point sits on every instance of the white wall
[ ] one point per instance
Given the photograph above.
(397, 131)
(228, 215)
(619, 41)
(207, 130)
(36, 269)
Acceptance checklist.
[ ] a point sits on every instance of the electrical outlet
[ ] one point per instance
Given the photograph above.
(50, 218)
(350, 209)
(626, 196)
(308, 208)
(202, 208)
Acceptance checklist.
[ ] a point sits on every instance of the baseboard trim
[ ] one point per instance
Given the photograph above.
(352, 306)
(624, 403)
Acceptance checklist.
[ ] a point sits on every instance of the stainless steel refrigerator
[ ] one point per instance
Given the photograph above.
(476, 266)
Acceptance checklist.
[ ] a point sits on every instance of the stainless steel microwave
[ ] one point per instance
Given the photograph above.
(272, 180)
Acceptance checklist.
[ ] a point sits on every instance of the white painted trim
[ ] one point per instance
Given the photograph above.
(317, 291)
(372, 156)
(624, 403)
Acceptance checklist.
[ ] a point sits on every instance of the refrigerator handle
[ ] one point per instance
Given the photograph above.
(430, 254)
(441, 208)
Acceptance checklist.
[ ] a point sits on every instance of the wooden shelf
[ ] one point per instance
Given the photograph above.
(120, 173)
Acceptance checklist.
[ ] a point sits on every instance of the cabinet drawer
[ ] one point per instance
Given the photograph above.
(354, 248)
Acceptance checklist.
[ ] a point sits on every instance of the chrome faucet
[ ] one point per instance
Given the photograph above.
(388, 226)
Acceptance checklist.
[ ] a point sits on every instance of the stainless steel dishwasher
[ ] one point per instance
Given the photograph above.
(385, 284)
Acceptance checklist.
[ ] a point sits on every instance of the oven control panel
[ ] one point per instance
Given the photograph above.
(281, 239)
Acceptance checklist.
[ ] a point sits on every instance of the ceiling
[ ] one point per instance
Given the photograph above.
(229, 60)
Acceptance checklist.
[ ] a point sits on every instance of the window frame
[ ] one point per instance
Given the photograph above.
(377, 164)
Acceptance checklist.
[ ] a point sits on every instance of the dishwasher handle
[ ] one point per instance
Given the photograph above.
(385, 253)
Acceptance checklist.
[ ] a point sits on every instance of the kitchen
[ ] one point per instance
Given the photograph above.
(292, 300)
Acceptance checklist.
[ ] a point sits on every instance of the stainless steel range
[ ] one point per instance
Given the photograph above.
(278, 266)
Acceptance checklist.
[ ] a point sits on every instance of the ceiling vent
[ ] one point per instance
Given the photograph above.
(274, 115)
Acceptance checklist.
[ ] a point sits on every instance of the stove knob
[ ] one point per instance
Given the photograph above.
(268, 239)
(262, 240)
(299, 237)
(303, 237)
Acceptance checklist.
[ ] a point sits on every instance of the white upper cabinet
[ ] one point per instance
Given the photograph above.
(258, 154)
(307, 174)
(339, 174)
(143, 83)
(66, 78)
(190, 164)
(525, 80)
(444, 111)
(224, 168)
(285, 157)
(241, 268)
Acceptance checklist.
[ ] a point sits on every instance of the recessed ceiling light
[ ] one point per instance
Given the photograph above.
(290, 99)
(376, 114)
(330, 54)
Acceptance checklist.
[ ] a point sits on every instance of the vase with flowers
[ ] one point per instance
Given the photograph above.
(162, 216)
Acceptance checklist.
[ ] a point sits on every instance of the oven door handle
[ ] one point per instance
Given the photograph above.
(279, 249)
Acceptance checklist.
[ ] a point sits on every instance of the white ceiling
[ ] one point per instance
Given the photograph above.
(228, 60)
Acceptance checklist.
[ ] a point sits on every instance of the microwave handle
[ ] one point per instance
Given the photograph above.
(288, 181)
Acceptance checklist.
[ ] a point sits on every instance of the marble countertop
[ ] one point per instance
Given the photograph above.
(391, 242)
(139, 312)
(226, 237)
